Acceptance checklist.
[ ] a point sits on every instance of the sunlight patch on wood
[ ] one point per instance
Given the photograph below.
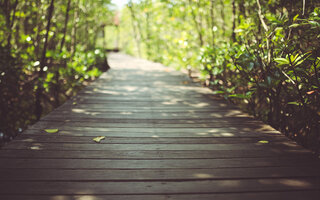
(201, 133)
(35, 148)
(198, 105)
(126, 113)
(232, 183)
(295, 183)
(227, 134)
(200, 175)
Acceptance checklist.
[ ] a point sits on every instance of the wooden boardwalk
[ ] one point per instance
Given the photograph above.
(166, 138)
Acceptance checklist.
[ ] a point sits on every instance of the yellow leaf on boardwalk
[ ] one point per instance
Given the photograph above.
(98, 139)
(55, 130)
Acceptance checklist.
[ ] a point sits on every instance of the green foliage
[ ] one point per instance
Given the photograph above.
(32, 83)
(266, 59)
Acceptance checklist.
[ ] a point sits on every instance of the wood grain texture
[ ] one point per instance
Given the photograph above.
(167, 138)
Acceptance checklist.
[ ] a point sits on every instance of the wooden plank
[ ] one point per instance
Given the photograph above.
(155, 175)
(292, 195)
(90, 119)
(154, 132)
(158, 154)
(150, 140)
(141, 124)
(68, 106)
(142, 111)
(180, 187)
(141, 105)
(104, 145)
(82, 115)
(34, 163)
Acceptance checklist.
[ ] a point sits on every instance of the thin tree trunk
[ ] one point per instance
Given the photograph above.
(39, 91)
(37, 43)
(197, 24)
(74, 30)
(57, 74)
(65, 26)
(118, 37)
(148, 34)
(106, 64)
(233, 21)
(223, 18)
(10, 18)
(133, 19)
(212, 21)
(242, 8)
(266, 29)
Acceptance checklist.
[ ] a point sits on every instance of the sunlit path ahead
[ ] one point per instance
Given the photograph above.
(165, 138)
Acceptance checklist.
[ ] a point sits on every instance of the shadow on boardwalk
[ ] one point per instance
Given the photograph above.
(166, 138)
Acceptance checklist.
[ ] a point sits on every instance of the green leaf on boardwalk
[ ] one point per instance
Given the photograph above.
(55, 130)
(263, 142)
(295, 103)
(74, 103)
(98, 139)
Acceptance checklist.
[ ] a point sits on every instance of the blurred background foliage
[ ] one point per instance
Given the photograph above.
(262, 55)
(49, 49)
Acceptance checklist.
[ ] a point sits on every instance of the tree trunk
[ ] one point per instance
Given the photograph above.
(38, 18)
(212, 21)
(133, 20)
(242, 8)
(39, 91)
(233, 21)
(148, 35)
(106, 65)
(65, 26)
(223, 18)
(57, 74)
(197, 24)
(10, 15)
(74, 30)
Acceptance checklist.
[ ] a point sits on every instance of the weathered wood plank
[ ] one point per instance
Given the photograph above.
(34, 163)
(180, 187)
(155, 175)
(149, 140)
(104, 145)
(157, 154)
(292, 195)
(82, 115)
(141, 124)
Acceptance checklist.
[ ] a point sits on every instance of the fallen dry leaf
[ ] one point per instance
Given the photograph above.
(98, 139)
(311, 92)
